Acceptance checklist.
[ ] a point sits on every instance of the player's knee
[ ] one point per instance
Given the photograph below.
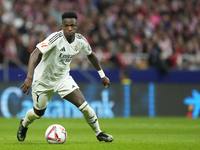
(39, 113)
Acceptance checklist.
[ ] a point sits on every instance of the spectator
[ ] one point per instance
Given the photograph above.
(134, 22)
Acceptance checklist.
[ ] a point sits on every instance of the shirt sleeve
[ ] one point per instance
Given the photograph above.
(87, 49)
(86, 46)
(47, 44)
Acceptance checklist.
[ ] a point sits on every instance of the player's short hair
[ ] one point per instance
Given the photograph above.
(69, 14)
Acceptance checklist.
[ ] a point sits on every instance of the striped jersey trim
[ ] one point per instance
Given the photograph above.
(79, 36)
(55, 37)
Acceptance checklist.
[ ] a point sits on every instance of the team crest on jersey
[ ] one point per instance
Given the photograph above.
(76, 48)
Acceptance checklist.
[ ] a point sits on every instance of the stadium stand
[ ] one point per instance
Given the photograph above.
(138, 34)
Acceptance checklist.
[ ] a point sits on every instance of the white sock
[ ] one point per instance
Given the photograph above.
(90, 117)
(29, 118)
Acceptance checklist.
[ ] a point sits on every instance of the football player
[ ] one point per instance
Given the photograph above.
(51, 75)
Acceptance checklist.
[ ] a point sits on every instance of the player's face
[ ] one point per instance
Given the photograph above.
(69, 26)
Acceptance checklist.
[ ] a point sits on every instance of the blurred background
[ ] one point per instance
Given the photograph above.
(149, 49)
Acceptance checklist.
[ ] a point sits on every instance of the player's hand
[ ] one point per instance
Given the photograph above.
(106, 82)
(26, 86)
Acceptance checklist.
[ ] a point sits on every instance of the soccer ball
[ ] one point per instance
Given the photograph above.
(56, 134)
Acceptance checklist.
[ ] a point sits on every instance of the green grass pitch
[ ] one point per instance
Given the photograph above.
(136, 133)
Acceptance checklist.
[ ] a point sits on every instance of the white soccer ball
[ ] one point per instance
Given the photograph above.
(56, 134)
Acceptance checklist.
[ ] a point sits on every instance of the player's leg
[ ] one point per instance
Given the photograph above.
(25, 122)
(32, 115)
(40, 102)
(69, 90)
(76, 97)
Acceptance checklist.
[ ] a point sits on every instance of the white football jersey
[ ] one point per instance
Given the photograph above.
(57, 56)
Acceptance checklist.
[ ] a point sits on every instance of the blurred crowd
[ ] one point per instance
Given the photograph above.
(140, 34)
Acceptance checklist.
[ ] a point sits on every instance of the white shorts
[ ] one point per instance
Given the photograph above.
(42, 93)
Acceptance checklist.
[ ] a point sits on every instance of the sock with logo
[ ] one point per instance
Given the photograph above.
(90, 117)
(29, 118)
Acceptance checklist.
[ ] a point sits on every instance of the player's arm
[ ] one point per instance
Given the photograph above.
(26, 86)
(95, 62)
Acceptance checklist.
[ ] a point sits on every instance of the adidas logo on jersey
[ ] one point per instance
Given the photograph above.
(63, 49)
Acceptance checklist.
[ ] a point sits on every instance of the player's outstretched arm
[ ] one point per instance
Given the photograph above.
(95, 62)
(26, 86)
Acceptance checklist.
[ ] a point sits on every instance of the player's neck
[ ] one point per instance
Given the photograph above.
(70, 39)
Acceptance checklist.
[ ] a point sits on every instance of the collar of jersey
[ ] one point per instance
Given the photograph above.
(66, 39)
